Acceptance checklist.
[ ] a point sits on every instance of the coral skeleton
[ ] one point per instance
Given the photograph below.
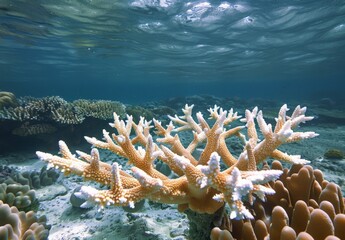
(203, 184)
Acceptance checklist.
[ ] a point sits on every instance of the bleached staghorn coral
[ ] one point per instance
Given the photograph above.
(201, 186)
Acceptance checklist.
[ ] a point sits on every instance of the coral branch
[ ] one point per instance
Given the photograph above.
(201, 184)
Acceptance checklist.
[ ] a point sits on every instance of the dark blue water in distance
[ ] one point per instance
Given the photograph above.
(143, 50)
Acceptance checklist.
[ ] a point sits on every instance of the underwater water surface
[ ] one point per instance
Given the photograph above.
(135, 50)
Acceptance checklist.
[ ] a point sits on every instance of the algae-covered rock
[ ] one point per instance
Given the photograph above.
(75, 201)
(334, 154)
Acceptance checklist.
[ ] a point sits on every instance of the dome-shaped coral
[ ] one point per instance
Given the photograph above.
(18, 225)
(304, 203)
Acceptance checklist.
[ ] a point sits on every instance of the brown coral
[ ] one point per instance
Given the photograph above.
(305, 205)
(16, 224)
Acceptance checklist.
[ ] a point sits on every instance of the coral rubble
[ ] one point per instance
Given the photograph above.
(205, 183)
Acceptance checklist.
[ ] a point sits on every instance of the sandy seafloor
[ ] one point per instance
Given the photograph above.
(157, 221)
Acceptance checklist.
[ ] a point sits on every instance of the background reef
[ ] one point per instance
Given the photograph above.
(48, 119)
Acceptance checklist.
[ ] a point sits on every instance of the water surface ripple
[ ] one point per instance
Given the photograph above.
(165, 38)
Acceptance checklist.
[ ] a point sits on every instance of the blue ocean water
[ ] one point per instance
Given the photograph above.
(142, 50)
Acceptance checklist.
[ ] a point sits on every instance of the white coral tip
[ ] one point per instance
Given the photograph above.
(203, 182)
(43, 156)
(122, 200)
(233, 214)
(213, 163)
(62, 144)
(298, 160)
(285, 132)
(86, 192)
(284, 108)
(307, 135)
(240, 213)
(157, 154)
(218, 197)
(121, 139)
(87, 204)
(131, 204)
(219, 131)
(181, 161)
(49, 166)
(145, 180)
